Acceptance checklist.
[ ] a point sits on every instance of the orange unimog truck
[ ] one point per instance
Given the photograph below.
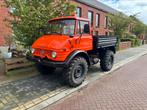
(69, 44)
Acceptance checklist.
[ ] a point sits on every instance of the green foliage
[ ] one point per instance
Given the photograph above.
(117, 45)
(137, 42)
(119, 24)
(134, 39)
(145, 29)
(138, 29)
(138, 26)
(31, 15)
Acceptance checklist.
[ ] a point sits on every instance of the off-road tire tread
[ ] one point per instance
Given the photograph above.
(68, 71)
(104, 60)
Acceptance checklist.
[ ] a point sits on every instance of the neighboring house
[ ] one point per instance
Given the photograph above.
(5, 31)
(97, 13)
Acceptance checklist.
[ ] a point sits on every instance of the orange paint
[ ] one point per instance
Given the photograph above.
(63, 45)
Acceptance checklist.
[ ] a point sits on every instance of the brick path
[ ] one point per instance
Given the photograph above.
(125, 89)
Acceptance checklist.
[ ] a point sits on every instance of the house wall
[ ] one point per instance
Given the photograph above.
(4, 26)
(85, 8)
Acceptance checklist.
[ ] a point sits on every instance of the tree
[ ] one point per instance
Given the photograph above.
(119, 24)
(139, 27)
(31, 15)
(9, 41)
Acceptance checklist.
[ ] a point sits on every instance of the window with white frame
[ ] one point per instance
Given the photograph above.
(90, 17)
(97, 20)
(79, 12)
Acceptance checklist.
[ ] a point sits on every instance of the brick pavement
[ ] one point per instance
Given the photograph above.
(22, 91)
(125, 89)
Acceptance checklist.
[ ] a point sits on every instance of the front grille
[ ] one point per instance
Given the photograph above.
(42, 53)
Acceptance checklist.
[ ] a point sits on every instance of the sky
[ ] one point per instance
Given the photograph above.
(130, 7)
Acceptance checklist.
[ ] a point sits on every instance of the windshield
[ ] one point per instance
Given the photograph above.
(64, 26)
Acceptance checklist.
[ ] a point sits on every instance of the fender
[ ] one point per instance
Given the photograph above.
(78, 53)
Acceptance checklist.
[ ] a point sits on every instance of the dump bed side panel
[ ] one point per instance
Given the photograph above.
(104, 41)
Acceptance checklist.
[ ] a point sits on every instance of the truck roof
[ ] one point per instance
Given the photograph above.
(69, 17)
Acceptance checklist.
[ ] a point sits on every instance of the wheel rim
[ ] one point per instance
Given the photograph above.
(78, 72)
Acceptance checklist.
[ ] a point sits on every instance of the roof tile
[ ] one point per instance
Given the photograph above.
(97, 4)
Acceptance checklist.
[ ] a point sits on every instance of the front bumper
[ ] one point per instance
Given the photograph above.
(47, 62)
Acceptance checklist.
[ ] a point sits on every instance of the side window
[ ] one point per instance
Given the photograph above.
(78, 28)
(84, 25)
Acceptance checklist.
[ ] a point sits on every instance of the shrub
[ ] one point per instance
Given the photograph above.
(134, 40)
(137, 42)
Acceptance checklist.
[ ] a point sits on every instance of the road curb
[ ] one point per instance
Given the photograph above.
(63, 94)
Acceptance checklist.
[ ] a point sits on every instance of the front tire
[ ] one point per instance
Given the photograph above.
(44, 70)
(107, 60)
(75, 74)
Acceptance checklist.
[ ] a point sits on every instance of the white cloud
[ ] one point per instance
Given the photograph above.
(130, 7)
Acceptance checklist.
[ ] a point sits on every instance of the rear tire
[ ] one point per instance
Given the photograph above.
(45, 69)
(107, 60)
(75, 74)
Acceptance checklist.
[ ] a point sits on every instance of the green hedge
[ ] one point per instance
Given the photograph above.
(135, 41)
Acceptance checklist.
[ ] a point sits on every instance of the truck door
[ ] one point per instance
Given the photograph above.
(84, 40)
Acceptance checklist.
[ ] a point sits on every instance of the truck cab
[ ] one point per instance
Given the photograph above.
(63, 36)
(69, 44)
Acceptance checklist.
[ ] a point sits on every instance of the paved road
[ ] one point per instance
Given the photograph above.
(20, 92)
(124, 89)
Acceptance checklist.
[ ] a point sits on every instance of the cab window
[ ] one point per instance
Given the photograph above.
(78, 28)
(83, 27)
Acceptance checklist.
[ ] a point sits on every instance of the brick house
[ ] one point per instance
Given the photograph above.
(96, 12)
(5, 31)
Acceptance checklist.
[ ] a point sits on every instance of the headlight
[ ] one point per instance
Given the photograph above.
(33, 50)
(54, 54)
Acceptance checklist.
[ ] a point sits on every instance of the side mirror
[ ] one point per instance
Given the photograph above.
(71, 36)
